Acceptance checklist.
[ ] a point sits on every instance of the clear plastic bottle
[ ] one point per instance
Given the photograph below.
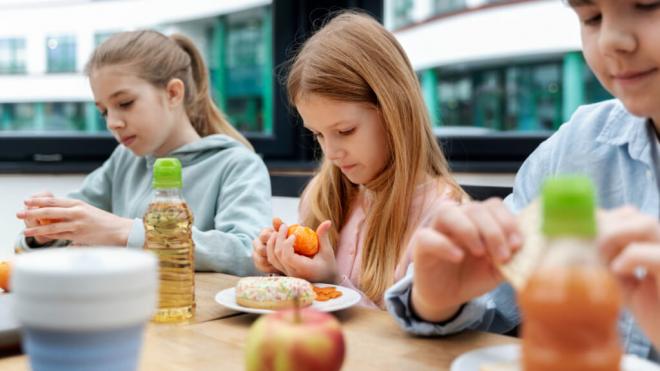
(168, 233)
(571, 303)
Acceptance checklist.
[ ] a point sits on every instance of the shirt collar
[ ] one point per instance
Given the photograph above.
(622, 128)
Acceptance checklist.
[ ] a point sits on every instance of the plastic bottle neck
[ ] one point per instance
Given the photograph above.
(168, 194)
(570, 251)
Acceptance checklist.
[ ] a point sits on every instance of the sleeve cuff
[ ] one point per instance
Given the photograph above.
(26, 244)
(397, 299)
(136, 235)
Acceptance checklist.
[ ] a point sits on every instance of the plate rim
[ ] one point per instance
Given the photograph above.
(345, 290)
(515, 349)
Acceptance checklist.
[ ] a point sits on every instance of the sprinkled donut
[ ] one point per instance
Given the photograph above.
(273, 292)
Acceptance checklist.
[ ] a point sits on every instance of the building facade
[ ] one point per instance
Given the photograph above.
(44, 45)
(495, 65)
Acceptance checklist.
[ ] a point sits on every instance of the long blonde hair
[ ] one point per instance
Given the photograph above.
(158, 59)
(354, 59)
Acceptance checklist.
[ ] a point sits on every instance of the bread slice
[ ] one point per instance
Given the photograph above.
(521, 265)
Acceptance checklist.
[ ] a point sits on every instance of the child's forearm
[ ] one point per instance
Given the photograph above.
(430, 312)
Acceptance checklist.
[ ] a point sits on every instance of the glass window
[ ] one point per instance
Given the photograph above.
(61, 53)
(402, 12)
(517, 97)
(12, 56)
(43, 117)
(455, 97)
(594, 91)
(488, 95)
(243, 73)
(100, 37)
(64, 116)
(18, 116)
(447, 6)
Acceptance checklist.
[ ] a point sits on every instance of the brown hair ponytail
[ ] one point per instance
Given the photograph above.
(159, 59)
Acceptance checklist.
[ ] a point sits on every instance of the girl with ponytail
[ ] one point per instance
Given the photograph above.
(153, 91)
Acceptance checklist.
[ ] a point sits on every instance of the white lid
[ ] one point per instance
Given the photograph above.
(84, 288)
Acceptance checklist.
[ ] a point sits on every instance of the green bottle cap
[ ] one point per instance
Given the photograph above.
(569, 207)
(167, 173)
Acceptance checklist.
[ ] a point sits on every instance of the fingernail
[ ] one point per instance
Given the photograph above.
(20, 214)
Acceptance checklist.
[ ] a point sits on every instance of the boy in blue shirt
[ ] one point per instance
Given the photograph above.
(454, 285)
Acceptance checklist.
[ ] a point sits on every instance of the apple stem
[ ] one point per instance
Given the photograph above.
(296, 309)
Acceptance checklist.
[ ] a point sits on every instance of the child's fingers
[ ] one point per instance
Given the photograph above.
(263, 265)
(283, 243)
(491, 233)
(624, 226)
(50, 202)
(431, 245)
(56, 213)
(455, 224)
(277, 222)
(270, 253)
(265, 234)
(288, 257)
(322, 231)
(42, 194)
(323, 228)
(259, 248)
(50, 229)
(636, 256)
(280, 235)
(507, 222)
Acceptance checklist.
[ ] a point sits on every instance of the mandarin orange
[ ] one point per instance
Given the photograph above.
(307, 242)
(5, 270)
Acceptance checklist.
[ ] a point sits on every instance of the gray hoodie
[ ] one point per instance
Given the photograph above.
(226, 186)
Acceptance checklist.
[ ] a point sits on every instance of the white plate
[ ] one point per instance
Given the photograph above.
(349, 297)
(471, 361)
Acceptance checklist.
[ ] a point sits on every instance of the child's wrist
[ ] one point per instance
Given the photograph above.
(122, 233)
(430, 312)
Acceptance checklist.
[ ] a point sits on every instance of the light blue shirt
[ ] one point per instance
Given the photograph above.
(602, 141)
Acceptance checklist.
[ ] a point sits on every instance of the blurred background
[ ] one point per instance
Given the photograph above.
(498, 77)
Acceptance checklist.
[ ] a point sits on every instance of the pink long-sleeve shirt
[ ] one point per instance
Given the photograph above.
(428, 197)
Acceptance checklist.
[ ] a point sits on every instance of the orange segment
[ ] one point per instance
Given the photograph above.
(326, 293)
(307, 242)
(5, 270)
(47, 221)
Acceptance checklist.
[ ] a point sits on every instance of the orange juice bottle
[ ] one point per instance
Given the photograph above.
(570, 305)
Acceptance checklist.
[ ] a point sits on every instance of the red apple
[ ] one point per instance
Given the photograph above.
(295, 340)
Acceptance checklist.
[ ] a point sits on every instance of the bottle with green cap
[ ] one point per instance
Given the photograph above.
(571, 303)
(168, 233)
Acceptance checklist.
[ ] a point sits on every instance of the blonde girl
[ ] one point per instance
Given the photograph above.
(382, 171)
(153, 91)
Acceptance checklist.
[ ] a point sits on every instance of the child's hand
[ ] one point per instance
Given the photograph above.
(259, 253)
(76, 221)
(630, 242)
(29, 222)
(321, 268)
(454, 258)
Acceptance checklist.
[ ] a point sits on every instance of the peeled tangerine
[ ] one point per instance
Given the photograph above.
(5, 270)
(307, 241)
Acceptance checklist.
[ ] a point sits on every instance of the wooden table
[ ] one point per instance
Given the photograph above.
(206, 286)
(214, 341)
